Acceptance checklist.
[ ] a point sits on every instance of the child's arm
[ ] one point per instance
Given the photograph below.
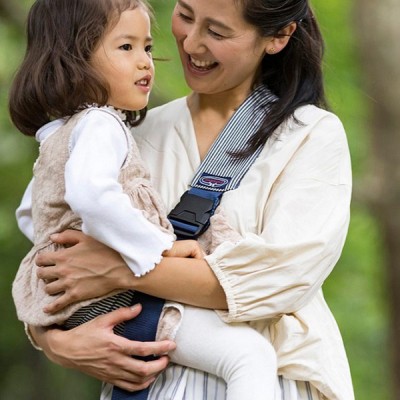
(24, 213)
(99, 149)
(185, 249)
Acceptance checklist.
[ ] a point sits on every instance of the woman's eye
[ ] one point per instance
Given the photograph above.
(215, 34)
(184, 17)
(149, 49)
(126, 47)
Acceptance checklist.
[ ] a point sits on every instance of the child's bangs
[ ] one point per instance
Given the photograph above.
(117, 7)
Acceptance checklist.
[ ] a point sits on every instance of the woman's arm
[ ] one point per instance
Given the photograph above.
(94, 349)
(88, 269)
(303, 227)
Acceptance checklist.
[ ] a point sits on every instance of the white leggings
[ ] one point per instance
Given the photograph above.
(237, 353)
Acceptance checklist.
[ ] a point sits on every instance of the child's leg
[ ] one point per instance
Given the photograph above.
(235, 352)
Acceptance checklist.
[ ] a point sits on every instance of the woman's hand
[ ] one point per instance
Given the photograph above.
(84, 270)
(89, 269)
(95, 350)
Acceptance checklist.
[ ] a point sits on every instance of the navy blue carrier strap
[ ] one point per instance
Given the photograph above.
(219, 171)
(143, 328)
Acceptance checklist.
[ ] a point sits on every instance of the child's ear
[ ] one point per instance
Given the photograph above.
(279, 42)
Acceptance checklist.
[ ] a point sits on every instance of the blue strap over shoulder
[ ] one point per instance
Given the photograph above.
(220, 171)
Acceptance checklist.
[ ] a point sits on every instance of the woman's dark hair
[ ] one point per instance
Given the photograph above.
(56, 79)
(294, 75)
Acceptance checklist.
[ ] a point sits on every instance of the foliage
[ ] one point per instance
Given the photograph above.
(355, 289)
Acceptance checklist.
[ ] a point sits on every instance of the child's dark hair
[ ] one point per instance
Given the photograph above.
(294, 75)
(56, 79)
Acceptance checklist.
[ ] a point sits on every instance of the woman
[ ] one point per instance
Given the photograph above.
(292, 208)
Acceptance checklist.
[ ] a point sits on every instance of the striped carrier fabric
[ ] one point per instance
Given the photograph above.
(101, 307)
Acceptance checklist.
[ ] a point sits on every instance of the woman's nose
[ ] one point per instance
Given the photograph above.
(193, 42)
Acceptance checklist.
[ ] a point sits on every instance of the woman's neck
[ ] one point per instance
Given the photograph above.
(224, 104)
(210, 114)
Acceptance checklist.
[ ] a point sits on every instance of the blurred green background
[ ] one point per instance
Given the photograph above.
(355, 290)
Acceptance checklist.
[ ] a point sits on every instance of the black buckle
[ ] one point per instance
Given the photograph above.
(191, 216)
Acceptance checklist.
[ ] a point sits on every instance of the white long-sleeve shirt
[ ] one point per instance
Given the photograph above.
(98, 150)
(292, 208)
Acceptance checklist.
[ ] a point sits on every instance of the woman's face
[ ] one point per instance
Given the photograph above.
(219, 50)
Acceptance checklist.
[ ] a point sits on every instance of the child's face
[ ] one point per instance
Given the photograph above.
(123, 58)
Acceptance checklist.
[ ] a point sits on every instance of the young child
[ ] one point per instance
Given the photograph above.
(86, 78)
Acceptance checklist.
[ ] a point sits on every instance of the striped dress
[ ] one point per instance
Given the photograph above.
(182, 383)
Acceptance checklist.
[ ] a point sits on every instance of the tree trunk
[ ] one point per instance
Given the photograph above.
(378, 28)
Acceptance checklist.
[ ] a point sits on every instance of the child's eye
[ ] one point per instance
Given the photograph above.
(126, 47)
(149, 48)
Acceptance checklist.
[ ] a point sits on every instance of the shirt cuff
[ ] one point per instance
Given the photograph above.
(30, 337)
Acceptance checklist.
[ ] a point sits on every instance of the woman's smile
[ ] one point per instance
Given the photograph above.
(209, 43)
(202, 64)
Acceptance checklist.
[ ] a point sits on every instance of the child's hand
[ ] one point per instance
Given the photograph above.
(184, 249)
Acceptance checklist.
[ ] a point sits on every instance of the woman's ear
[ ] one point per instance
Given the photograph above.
(279, 42)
